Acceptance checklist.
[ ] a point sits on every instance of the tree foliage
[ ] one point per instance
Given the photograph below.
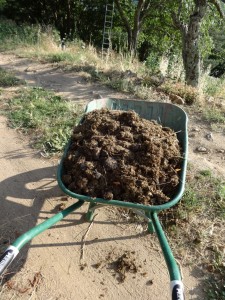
(188, 17)
(146, 27)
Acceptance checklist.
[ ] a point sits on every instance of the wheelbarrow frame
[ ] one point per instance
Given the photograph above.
(166, 114)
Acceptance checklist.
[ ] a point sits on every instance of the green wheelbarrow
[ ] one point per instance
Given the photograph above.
(167, 115)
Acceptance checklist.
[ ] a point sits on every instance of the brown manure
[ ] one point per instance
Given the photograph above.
(118, 155)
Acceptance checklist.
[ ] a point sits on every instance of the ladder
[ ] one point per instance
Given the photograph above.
(108, 22)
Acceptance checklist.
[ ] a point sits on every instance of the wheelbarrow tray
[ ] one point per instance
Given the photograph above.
(166, 114)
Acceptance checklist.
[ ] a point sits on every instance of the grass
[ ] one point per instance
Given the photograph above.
(15, 37)
(213, 87)
(60, 57)
(197, 229)
(7, 79)
(214, 115)
(48, 118)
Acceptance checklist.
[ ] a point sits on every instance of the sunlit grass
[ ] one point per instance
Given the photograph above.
(48, 118)
(7, 79)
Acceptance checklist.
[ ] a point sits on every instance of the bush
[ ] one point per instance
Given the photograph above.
(7, 79)
(187, 92)
(12, 35)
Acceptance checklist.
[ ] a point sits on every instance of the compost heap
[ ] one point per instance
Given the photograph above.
(118, 155)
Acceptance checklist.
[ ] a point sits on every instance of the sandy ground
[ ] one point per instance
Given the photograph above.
(50, 266)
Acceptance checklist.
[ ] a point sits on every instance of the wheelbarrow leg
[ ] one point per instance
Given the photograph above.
(151, 228)
(90, 212)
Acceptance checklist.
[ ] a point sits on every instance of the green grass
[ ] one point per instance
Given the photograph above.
(7, 79)
(214, 115)
(214, 86)
(60, 57)
(48, 118)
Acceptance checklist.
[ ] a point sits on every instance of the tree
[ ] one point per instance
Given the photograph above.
(190, 26)
(2, 4)
(133, 21)
(58, 13)
(73, 18)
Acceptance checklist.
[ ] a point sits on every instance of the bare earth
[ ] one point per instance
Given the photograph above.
(50, 267)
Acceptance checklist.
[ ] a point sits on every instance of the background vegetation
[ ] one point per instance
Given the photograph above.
(146, 28)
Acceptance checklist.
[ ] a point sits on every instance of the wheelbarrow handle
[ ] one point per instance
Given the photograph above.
(176, 285)
(7, 257)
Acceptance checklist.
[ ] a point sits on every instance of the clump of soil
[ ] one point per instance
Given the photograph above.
(125, 264)
(121, 264)
(118, 155)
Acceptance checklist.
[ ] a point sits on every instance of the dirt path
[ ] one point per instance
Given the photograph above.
(49, 267)
(72, 85)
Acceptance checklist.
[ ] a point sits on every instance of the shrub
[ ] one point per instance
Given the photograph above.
(187, 92)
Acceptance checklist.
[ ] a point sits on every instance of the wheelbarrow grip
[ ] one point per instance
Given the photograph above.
(7, 257)
(177, 290)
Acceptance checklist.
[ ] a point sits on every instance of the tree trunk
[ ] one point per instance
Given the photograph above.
(191, 56)
(132, 41)
(190, 38)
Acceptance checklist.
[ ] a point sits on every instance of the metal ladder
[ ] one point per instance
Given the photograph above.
(108, 22)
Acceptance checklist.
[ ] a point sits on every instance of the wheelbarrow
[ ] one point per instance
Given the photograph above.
(167, 115)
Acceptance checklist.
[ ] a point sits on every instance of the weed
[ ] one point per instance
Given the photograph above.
(7, 79)
(153, 63)
(12, 36)
(206, 173)
(60, 57)
(188, 93)
(213, 86)
(46, 116)
(214, 115)
(190, 199)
